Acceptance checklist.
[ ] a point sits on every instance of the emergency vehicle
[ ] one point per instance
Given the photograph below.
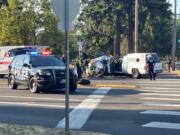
(7, 54)
(39, 72)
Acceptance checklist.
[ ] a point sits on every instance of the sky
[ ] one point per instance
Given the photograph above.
(178, 5)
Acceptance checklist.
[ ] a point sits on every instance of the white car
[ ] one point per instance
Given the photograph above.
(135, 64)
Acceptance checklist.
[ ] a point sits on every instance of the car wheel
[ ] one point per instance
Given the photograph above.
(33, 86)
(135, 73)
(11, 82)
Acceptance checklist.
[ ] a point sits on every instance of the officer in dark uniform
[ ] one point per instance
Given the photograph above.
(150, 63)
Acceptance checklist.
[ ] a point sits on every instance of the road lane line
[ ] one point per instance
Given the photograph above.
(174, 113)
(159, 91)
(39, 98)
(79, 116)
(160, 94)
(162, 125)
(33, 104)
(161, 104)
(162, 88)
(161, 99)
(161, 85)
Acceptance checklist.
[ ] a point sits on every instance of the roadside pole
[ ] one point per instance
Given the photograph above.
(136, 25)
(174, 33)
(66, 47)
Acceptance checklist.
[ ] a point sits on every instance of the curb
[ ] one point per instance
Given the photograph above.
(13, 129)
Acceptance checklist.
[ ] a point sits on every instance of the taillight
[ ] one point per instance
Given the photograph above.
(6, 54)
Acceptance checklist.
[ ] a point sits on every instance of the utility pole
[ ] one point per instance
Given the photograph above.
(66, 47)
(174, 38)
(136, 25)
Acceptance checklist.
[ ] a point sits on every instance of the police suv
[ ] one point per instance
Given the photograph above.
(39, 72)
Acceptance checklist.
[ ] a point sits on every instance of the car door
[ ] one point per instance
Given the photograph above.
(25, 70)
(17, 70)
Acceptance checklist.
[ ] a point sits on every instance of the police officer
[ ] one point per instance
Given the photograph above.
(150, 63)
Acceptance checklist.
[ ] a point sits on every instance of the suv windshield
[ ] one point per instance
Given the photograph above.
(37, 61)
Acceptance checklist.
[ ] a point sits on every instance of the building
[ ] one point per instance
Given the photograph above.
(58, 7)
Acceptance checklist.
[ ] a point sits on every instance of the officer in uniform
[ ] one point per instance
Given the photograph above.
(150, 63)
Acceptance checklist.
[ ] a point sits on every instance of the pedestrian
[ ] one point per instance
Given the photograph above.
(151, 63)
(169, 63)
(79, 70)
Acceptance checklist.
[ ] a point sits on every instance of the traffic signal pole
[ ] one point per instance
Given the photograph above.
(174, 33)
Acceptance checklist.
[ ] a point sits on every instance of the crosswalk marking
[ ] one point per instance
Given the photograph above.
(158, 91)
(161, 104)
(161, 112)
(164, 85)
(163, 125)
(160, 99)
(160, 94)
(161, 88)
(79, 116)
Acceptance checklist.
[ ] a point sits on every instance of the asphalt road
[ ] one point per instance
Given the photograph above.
(152, 108)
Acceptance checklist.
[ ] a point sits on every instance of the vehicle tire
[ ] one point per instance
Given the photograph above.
(2, 76)
(73, 86)
(135, 73)
(11, 82)
(33, 86)
(84, 81)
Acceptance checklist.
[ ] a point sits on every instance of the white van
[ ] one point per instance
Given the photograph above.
(135, 64)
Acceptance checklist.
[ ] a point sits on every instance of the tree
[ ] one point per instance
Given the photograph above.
(114, 20)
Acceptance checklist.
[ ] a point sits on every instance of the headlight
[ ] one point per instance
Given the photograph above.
(44, 72)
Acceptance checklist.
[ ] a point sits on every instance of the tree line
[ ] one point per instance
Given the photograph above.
(32, 22)
(108, 26)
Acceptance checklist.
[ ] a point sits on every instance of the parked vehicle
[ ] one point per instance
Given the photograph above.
(39, 72)
(134, 64)
(7, 54)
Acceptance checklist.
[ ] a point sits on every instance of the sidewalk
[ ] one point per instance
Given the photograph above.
(8, 129)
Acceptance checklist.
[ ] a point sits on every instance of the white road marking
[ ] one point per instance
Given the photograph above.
(158, 91)
(161, 104)
(161, 99)
(33, 104)
(161, 85)
(174, 113)
(162, 88)
(40, 98)
(79, 116)
(163, 125)
(160, 94)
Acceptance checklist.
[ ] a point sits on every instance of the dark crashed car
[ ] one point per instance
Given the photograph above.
(39, 72)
